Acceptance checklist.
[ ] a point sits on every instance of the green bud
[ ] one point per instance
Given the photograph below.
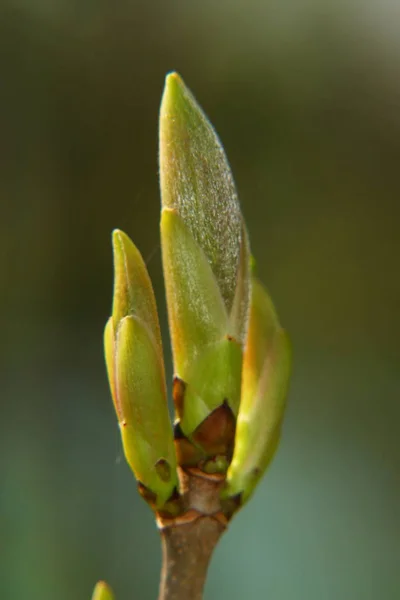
(206, 264)
(197, 313)
(135, 368)
(265, 379)
(197, 183)
(102, 591)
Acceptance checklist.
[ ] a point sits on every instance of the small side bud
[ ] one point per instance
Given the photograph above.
(265, 380)
(102, 591)
(135, 367)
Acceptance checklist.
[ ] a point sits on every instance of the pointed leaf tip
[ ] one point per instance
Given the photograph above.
(173, 79)
(102, 591)
(133, 292)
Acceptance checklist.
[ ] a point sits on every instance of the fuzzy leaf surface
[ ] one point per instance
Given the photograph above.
(196, 181)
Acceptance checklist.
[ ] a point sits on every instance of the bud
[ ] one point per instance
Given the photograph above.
(102, 591)
(135, 366)
(197, 182)
(265, 378)
(231, 356)
(206, 268)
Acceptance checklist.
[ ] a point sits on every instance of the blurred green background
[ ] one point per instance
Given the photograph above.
(306, 98)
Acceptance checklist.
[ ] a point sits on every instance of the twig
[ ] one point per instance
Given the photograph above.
(189, 540)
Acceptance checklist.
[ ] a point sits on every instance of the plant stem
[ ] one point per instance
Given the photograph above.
(187, 550)
(189, 540)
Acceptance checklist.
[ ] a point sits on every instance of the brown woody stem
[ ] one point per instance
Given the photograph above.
(188, 541)
(187, 551)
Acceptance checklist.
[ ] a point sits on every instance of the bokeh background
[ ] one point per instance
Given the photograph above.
(306, 98)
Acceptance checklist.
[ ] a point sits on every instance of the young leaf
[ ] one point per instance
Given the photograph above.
(197, 183)
(135, 369)
(265, 378)
(141, 395)
(197, 314)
